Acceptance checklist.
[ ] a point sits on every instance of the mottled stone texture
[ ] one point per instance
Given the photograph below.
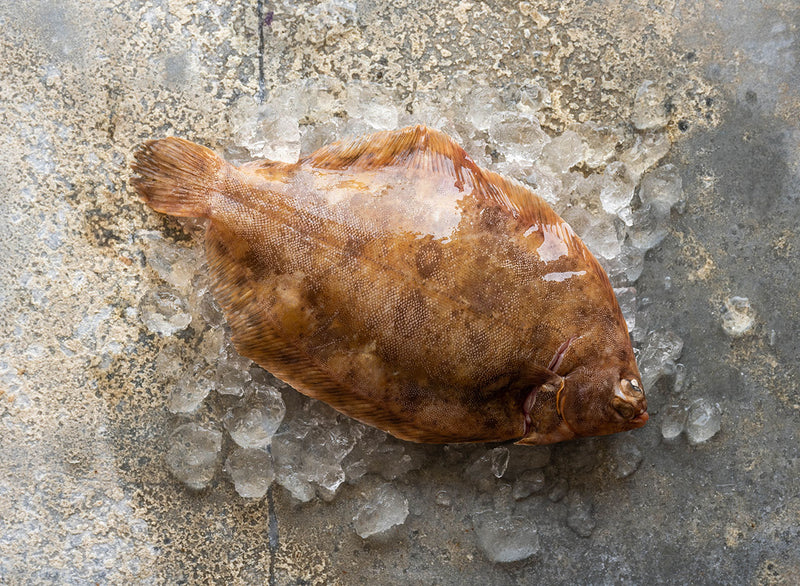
(85, 493)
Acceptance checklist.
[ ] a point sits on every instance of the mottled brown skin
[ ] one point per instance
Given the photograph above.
(392, 278)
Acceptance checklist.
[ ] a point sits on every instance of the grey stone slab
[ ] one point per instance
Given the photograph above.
(85, 494)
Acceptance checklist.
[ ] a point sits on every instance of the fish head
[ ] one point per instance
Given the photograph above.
(585, 402)
(602, 401)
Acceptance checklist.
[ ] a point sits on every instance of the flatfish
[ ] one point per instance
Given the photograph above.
(392, 278)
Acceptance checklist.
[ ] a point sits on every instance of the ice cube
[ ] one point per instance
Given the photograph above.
(506, 538)
(503, 498)
(426, 109)
(558, 490)
(391, 461)
(679, 384)
(580, 517)
(529, 482)
(737, 317)
(499, 460)
(601, 143)
(233, 374)
(647, 150)
(251, 472)
(631, 261)
(627, 457)
(662, 186)
(673, 420)
(532, 99)
(361, 458)
(385, 508)
(204, 306)
(174, 264)
(703, 421)
(542, 182)
(648, 226)
(267, 131)
(373, 106)
(649, 107)
(599, 231)
(212, 345)
(290, 466)
(193, 454)
(488, 466)
(617, 188)
(517, 138)
(315, 136)
(482, 104)
(658, 356)
(191, 389)
(564, 152)
(374, 454)
(164, 312)
(255, 419)
(170, 362)
(582, 191)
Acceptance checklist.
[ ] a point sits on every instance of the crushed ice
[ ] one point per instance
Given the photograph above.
(605, 180)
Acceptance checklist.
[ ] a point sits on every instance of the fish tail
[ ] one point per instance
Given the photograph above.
(176, 177)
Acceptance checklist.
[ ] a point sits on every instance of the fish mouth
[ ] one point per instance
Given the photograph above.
(640, 419)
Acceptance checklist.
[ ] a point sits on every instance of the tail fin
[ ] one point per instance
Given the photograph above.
(176, 176)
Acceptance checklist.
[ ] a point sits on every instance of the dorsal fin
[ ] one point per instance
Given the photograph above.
(414, 147)
(424, 149)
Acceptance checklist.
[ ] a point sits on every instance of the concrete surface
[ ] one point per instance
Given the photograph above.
(85, 495)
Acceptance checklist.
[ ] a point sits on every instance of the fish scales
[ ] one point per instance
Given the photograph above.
(392, 278)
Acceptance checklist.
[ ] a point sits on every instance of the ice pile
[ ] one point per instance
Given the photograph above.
(309, 450)
(607, 181)
(385, 508)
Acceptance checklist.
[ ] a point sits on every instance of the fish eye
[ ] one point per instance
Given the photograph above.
(635, 386)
